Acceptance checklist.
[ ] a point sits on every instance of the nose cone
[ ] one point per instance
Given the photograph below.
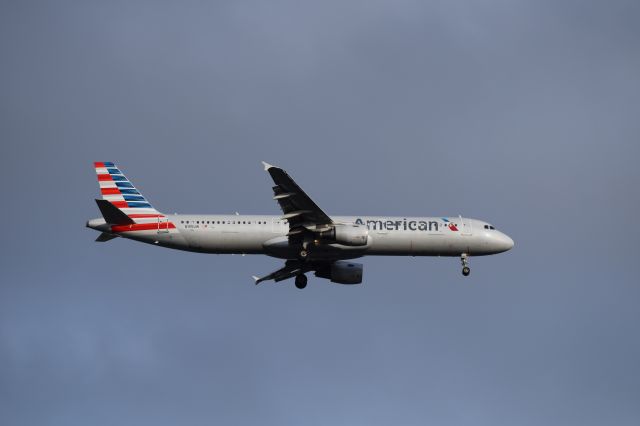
(504, 242)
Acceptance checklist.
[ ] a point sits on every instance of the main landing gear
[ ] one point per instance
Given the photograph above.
(301, 281)
(465, 264)
(303, 254)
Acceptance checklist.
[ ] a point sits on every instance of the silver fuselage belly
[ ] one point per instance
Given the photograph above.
(389, 236)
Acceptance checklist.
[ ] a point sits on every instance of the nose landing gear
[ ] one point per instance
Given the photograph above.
(464, 258)
(301, 281)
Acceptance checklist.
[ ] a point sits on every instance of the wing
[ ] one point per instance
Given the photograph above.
(291, 269)
(298, 208)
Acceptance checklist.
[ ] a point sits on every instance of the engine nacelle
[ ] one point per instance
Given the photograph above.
(342, 272)
(348, 235)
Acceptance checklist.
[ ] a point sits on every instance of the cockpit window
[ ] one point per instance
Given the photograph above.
(489, 227)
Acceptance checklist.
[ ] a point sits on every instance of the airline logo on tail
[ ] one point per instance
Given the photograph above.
(120, 192)
(117, 189)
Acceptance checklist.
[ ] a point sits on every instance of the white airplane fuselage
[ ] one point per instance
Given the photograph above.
(255, 234)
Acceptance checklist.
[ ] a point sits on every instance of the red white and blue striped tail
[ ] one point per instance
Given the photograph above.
(120, 192)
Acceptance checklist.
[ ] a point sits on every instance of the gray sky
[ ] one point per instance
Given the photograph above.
(522, 113)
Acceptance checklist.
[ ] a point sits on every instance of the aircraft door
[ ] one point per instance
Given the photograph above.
(466, 226)
(163, 225)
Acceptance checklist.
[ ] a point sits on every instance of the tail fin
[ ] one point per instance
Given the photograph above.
(121, 193)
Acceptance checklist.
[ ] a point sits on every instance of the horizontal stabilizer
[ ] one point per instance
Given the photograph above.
(113, 215)
(104, 237)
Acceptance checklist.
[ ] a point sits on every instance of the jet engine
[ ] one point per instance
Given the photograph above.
(342, 272)
(347, 234)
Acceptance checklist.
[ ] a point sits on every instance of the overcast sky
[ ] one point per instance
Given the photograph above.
(521, 113)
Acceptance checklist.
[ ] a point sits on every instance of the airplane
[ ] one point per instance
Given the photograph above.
(304, 236)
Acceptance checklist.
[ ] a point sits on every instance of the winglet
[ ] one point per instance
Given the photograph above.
(266, 165)
(256, 279)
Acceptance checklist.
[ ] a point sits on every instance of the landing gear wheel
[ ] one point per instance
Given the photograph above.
(304, 254)
(464, 258)
(301, 281)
